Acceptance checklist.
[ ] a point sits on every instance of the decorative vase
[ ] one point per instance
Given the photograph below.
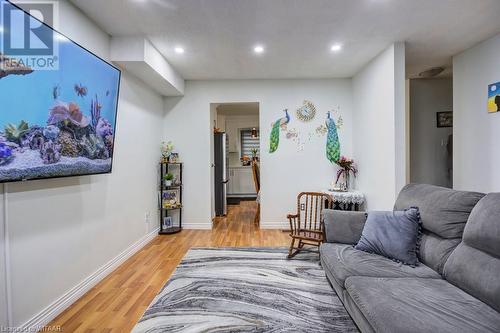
(168, 183)
(346, 180)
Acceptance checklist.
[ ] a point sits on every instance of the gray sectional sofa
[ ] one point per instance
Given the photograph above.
(456, 286)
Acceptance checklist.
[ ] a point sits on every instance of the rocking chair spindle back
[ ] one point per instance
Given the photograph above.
(306, 225)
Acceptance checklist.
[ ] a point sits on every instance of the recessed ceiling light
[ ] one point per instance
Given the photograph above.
(258, 49)
(179, 50)
(336, 47)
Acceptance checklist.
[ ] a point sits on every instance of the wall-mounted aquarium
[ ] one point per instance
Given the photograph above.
(54, 122)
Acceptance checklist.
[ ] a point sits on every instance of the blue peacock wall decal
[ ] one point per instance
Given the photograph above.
(275, 131)
(332, 140)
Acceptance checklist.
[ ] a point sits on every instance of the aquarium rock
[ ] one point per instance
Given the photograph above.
(51, 132)
(69, 145)
(9, 66)
(50, 152)
(93, 147)
(33, 138)
(103, 128)
(108, 141)
(5, 154)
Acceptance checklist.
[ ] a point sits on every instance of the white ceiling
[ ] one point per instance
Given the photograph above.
(218, 35)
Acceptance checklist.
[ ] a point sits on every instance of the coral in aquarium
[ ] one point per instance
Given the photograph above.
(104, 128)
(93, 147)
(51, 132)
(95, 112)
(14, 133)
(5, 154)
(63, 112)
(50, 152)
(69, 145)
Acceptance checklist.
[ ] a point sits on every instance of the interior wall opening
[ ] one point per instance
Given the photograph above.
(235, 163)
(431, 131)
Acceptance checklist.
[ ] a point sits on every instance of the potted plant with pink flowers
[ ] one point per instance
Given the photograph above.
(347, 166)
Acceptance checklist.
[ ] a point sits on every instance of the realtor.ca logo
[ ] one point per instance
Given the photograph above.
(27, 39)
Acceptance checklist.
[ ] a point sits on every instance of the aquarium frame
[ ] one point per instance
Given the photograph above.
(116, 109)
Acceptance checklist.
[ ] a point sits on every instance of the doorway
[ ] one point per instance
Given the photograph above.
(235, 158)
(431, 131)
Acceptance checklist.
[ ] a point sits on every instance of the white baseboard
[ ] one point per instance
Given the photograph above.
(62, 303)
(197, 226)
(274, 225)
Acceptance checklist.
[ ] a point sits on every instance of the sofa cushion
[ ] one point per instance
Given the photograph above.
(420, 305)
(343, 261)
(393, 235)
(443, 213)
(474, 265)
(343, 226)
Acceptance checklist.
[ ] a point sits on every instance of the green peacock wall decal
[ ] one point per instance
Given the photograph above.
(275, 131)
(332, 140)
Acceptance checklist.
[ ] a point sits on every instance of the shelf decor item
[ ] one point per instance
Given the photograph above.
(168, 179)
(174, 158)
(166, 150)
(170, 198)
(167, 222)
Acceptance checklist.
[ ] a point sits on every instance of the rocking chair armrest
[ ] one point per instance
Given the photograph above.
(293, 221)
(343, 226)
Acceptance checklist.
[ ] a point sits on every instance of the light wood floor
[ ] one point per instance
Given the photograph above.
(118, 302)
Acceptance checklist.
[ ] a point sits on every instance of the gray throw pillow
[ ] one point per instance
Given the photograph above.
(395, 235)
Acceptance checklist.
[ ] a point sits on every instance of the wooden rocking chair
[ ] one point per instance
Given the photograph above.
(306, 225)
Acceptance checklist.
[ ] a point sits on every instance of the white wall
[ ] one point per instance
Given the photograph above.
(3, 283)
(476, 133)
(430, 161)
(63, 230)
(286, 172)
(379, 127)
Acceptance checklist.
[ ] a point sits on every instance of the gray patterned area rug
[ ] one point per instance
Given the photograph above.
(246, 290)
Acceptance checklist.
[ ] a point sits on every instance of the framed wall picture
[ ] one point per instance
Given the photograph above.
(444, 119)
(494, 97)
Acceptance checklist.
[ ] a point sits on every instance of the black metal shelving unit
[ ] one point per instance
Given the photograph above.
(166, 167)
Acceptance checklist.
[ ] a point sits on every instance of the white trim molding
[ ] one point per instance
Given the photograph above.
(72, 295)
(282, 225)
(197, 226)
